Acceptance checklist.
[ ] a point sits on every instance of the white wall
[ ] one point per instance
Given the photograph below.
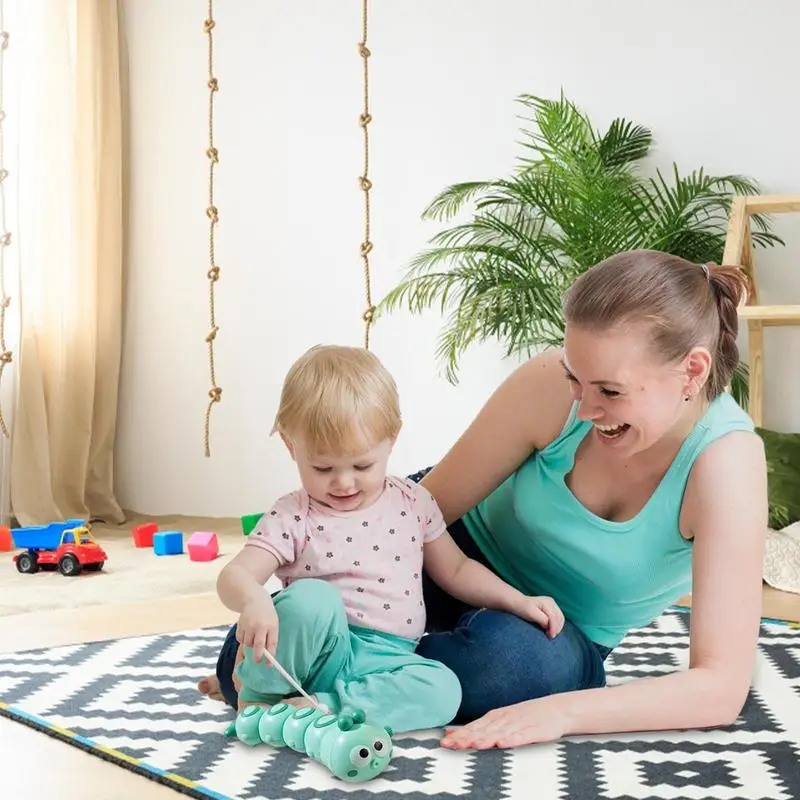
(716, 81)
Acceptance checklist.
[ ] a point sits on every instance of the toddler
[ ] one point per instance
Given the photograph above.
(348, 548)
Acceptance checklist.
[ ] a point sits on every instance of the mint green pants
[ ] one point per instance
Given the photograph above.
(348, 667)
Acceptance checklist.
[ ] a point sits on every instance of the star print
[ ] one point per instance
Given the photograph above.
(360, 615)
(329, 555)
(308, 567)
(386, 606)
(402, 513)
(273, 513)
(416, 575)
(408, 593)
(397, 558)
(258, 533)
(413, 538)
(297, 518)
(349, 539)
(356, 563)
(418, 518)
(381, 580)
(308, 538)
(285, 535)
(320, 528)
(376, 548)
(360, 589)
(365, 524)
(392, 531)
(408, 621)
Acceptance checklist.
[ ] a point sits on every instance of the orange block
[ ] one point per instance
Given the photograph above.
(6, 542)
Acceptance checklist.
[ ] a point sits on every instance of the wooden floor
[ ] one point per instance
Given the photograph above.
(57, 770)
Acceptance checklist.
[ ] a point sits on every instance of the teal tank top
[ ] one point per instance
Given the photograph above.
(607, 577)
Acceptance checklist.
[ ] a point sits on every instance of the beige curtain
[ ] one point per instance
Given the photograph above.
(71, 247)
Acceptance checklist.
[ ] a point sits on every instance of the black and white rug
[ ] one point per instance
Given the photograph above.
(133, 702)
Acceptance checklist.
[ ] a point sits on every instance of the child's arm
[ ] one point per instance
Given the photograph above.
(240, 585)
(472, 583)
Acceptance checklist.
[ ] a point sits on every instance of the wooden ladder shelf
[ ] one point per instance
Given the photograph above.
(739, 251)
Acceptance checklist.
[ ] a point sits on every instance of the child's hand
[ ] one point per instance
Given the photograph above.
(543, 611)
(258, 627)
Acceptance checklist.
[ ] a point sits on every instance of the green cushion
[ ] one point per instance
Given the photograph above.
(783, 476)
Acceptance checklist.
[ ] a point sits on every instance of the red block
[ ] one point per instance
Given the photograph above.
(203, 546)
(143, 534)
(6, 542)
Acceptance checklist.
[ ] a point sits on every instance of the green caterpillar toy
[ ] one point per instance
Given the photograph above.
(351, 749)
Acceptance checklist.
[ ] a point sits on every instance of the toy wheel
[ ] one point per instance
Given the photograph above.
(27, 563)
(69, 565)
(95, 567)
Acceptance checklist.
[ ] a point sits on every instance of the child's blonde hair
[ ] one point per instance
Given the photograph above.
(337, 399)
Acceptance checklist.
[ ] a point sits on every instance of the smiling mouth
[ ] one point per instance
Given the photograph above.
(611, 431)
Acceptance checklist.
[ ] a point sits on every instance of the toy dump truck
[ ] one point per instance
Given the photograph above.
(67, 546)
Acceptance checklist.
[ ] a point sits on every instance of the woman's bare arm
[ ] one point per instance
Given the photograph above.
(726, 510)
(524, 414)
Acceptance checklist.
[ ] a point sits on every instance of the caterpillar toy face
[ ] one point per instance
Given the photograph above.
(351, 749)
(360, 753)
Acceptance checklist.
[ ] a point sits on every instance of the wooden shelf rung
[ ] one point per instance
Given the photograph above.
(771, 315)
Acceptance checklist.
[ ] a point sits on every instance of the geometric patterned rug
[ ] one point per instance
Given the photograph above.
(133, 702)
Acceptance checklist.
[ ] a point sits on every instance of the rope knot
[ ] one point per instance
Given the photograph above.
(213, 84)
(365, 119)
(209, 25)
(365, 183)
(213, 214)
(212, 334)
(213, 154)
(213, 274)
(363, 50)
(366, 248)
(369, 315)
(5, 358)
(5, 239)
(5, 302)
(4, 40)
(215, 394)
(3, 174)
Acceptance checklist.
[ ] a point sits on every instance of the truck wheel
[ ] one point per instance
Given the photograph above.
(27, 563)
(69, 566)
(96, 567)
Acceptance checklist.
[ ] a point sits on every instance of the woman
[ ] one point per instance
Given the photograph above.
(596, 475)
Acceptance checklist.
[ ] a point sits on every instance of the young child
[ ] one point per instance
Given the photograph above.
(349, 548)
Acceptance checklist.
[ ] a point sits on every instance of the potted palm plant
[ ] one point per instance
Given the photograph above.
(576, 197)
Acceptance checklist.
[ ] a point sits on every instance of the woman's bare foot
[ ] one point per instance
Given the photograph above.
(210, 688)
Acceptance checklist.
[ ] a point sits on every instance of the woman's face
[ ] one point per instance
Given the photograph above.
(632, 398)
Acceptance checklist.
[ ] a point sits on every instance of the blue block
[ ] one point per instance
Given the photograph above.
(168, 543)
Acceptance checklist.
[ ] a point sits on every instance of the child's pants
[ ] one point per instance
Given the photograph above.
(349, 667)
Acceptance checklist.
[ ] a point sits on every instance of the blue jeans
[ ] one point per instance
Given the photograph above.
(499, 658)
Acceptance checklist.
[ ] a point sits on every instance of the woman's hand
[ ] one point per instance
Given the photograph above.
(258, 626)
(542, 611)
(530, 722)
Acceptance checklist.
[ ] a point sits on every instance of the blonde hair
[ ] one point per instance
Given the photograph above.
(337, 397)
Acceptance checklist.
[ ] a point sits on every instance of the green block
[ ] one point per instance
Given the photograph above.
(249, 521)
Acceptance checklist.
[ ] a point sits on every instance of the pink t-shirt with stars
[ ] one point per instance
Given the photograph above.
(373, 556)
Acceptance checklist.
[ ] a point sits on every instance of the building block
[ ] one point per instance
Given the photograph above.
(168, 543)
(249, 521)
(203, 546)
(143, 534)
(6, 541)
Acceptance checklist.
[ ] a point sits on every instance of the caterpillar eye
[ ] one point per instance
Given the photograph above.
(360, 756)
(377, 746)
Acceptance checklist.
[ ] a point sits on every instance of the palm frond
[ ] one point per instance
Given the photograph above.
(574, 198)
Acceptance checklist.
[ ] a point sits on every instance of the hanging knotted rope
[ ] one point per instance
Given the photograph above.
(364, 181)
(5, 236)
(215, 393)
